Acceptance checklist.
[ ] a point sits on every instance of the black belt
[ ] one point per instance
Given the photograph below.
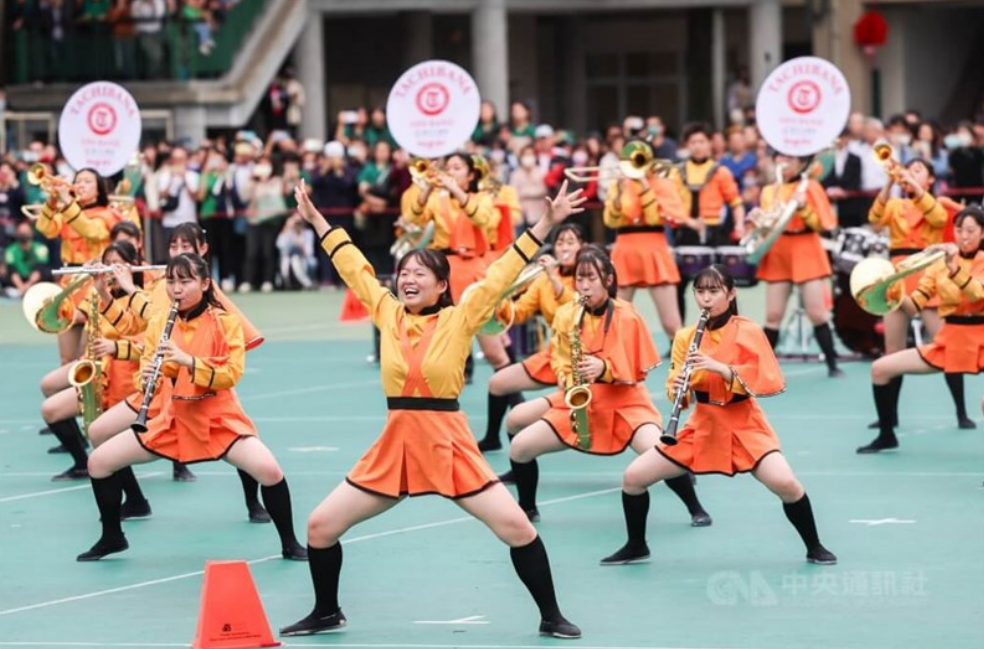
(894, 252)
(633, 229)
(796, 233)
(964, 319)
(705, 397)
(422, 403)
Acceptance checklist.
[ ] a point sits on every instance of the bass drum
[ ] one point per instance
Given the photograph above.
(860, 331)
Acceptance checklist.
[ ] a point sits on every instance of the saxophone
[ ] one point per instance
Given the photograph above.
(86, 374)
(578, 394)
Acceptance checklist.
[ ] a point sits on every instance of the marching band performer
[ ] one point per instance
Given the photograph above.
(958, 346)
(914, 222)
(639, 210)
(426, 447)
(727, 432)
(80, 215)
(201, 418)
(601, 347)
(506, 202)
(552, 289)
(131, 314)
(797, 257)
(464, 218)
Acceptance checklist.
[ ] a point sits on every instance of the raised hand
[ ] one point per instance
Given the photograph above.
(564, 204)
(308, 211)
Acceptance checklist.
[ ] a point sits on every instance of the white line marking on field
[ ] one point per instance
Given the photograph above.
(471, 619)
(312, 449)
(402, 645)
(872, 522)
(51, 492)
(357, 539)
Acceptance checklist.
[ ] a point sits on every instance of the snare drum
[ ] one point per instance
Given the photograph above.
(693, 259)
(855, 244)
(735, 258)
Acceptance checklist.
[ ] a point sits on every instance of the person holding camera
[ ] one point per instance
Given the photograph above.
(296, 246)
(178, 186)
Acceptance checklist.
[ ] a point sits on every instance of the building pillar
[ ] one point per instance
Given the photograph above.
(718, 79)
(309, 62)
(833, 40)
(490, 52)
(190, 123)
(419, 44)
(764, 38)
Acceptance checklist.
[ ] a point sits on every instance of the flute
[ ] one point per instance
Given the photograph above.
(101, 270)
(140, 425)
(669, 433)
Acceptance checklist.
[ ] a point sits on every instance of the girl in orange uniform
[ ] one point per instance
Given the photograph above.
(426, 447)
(727, 432)
(639, 210)
(617, 354)
(913, 223)
(201, 419)
(61, 406)
(958, 347)
(463, 216)
(80, 215)
(130, 314)
(553, 288)
(797, 256)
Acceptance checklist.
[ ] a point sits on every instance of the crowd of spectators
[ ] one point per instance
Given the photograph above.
(240, 187)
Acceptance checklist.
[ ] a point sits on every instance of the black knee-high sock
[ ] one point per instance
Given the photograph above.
(826, 341)
(277, 500)
(511, 355)
(527, 476)
(896, 384)
(955, 382)
(772, 335)
(533, 567)
(498, 405)
(376, 341)
(636, 510)
(130, 486)
(682, 298)
(800, 514)
(887, 408)
(109, 500)
(683, 487)
(251, 490)
(68, 433)
(326, 566)
(469, 366)
(515, 399)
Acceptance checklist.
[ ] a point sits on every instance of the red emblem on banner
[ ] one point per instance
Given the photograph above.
(432, 99)
(804, 96)
(101, 118)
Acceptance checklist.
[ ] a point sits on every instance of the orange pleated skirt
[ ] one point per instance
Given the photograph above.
(119, 381)
(200, 430)
(539, 369)
(723, 439)
(957, 348)
(644, 259)
(423, 452)
(615, 413)
(464, 272)
(795, 258)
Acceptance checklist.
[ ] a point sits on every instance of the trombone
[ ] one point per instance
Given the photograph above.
(637, 167)
(874, 278)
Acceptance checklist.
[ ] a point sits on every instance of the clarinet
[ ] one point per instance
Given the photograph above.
(140, 425)
(669, 433)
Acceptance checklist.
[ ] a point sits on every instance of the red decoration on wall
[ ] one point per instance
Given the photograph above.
(871, 31)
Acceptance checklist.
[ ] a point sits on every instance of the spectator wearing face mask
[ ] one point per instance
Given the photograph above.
(738, 160)
(900, 134)
(966, 159)
(267, 211)
(928, 145)
(25, 262)
(178, 186)
(664, 147)
(528, 181)
(296, 246)
(335, 188)
(581, 158)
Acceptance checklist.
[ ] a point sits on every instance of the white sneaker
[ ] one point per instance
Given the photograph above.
(245, 287)
(266, 288)
(228, 286)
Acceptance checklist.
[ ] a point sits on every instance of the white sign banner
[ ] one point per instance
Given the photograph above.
(433, 108)
(100, 128)
(803, 106)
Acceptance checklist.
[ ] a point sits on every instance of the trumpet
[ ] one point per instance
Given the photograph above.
(140, 425)
(39, 175)
(874, 278)
(885, 154)
(669, 433)
(423, 173)
(103, 270)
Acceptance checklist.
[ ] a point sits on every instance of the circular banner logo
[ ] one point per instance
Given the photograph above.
(433, 108)
(803, 106)
(100, 128)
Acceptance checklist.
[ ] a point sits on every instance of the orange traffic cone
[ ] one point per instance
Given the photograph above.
(231, 615)
(352, 309)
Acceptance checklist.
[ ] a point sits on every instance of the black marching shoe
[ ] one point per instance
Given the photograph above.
(489, 444)
(507, 478)
(102, 548)
(631, 552)
(533, 514)
(135, 509)
(75, 473)
(57, 449)
(315, 623)
(701, 519)
(45, 431)
(821, 556)
(258, 514)
(835, 373)
(560, 627)
(181, 473)
(966, 423)
(879, 444)
(294, 552)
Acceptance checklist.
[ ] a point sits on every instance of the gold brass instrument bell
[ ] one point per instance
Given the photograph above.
(42, 304)
(874, 277)
(636, 162)
(423, 173)
(499, 323)
(414, 237)
(39, 175)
